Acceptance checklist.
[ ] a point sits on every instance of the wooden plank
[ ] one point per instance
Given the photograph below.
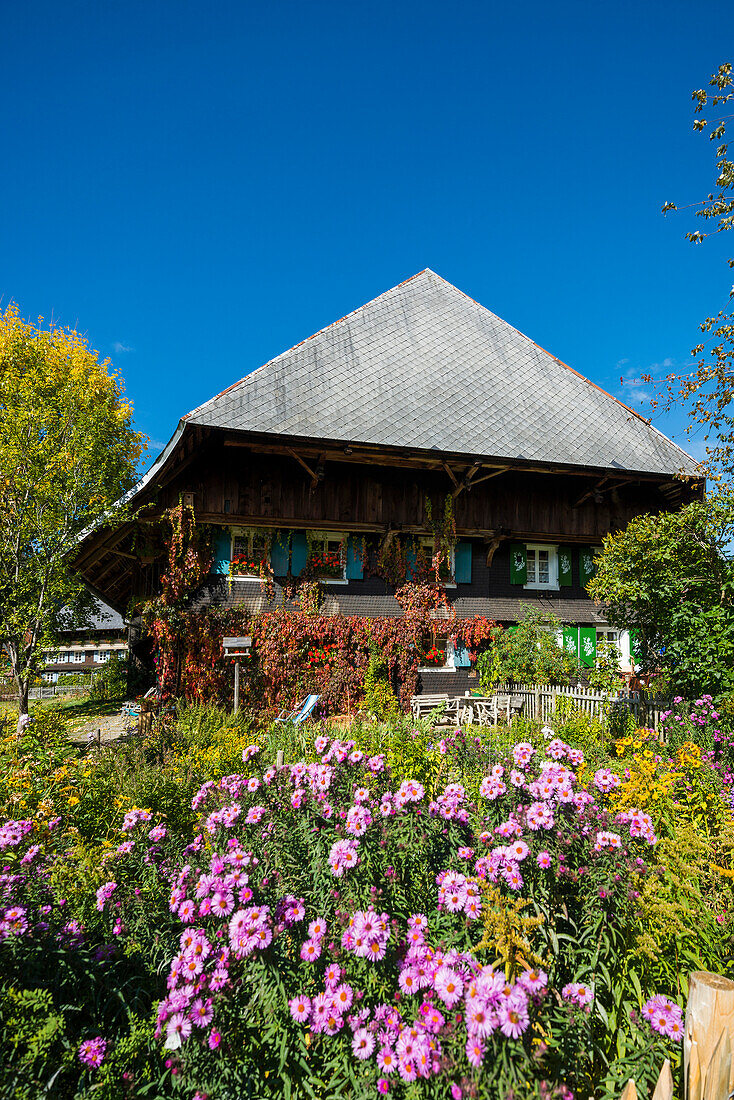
(718, 1071)
(709, 1015)
(664, 1086)
(629, 1092)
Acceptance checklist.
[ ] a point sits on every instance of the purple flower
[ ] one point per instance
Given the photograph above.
(92, 1051)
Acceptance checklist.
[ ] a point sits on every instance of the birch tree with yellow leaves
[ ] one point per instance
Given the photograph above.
(68, 451)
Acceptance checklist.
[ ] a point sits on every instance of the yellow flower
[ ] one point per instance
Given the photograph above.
(73, 801)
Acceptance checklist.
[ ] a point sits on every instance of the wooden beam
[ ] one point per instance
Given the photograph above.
(452, 475)
(468, 479)
(381, 456)
(123, 554)
(306, 467)
(487, 477)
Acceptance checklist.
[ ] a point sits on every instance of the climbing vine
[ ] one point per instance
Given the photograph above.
(296, 649)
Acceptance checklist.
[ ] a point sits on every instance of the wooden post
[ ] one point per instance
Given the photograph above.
(279, 758)
(536, 704)
(664, 1087)
(709, 1037)
(236, 686)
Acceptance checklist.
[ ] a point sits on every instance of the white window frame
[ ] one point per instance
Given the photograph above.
(428, 542)
(621, 639)
(78, 657)
(331, 536)
(245, 533)
(552, 585)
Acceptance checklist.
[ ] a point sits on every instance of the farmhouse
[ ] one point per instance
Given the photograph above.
(419, 424)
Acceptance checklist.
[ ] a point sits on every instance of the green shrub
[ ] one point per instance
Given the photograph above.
(527, 653)
(379, 697)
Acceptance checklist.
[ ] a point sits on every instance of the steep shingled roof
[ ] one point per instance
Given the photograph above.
(424, 366)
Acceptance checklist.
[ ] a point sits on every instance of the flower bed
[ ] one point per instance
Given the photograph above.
(393, 913)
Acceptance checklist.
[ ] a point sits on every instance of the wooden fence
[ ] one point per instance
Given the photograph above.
(708, 1040)
(539, 702)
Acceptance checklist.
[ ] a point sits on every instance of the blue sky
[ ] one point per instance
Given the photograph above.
(199, 187)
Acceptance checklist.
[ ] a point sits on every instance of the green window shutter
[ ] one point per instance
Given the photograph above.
(279, 552)
(518, 563)
(462, 563)
(587, 566)
(588, 646)
(222, 551)
(355, 569)
(571, 640)
(565, 570)
(299, 552)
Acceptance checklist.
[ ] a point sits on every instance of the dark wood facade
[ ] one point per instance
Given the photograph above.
(240, 479)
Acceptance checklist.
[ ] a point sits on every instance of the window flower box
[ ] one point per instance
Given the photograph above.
(327, 563)
(243, 566)
(434, 658)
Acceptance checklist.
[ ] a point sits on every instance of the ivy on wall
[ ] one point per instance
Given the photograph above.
(295, 649)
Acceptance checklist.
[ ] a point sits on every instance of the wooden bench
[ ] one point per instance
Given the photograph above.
(422, 705)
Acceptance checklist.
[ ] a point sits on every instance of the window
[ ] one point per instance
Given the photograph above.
(78, 657)
(438, 655)
(542, 565)
(327, 556)
(621, 639)
(250, 550)
(446, 570)
(103, 656)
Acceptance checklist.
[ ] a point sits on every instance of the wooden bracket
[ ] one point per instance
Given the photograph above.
(452, 475)
(311, 473)
(606, 485)
(487, 477)
(492, 549)
(468, 479)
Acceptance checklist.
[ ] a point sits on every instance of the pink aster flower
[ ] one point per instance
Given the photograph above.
(201, 1012)
(513, 1018)
(386, 1060)
(363, 1043)
(448, 985)
(300, 1008)
(311, 950)
(92, 1051)
(475, 1051)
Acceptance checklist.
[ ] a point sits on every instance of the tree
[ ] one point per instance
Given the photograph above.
(670, 579)
(707, 392)
(67, 452)
(528, 653)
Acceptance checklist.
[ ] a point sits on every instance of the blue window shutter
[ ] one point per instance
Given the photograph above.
(462, 563)
(355, 570)
(279, 553)
(461, 655)
(299, 552)
(411, 562)
(221, 551)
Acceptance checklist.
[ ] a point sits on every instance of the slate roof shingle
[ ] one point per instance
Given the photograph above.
(424, 366)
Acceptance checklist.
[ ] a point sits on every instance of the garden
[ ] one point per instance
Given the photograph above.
(230, 907)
